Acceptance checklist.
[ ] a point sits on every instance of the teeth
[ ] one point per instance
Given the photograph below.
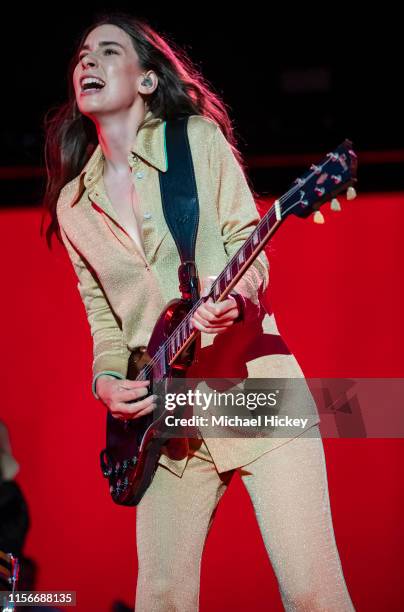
(88, 80)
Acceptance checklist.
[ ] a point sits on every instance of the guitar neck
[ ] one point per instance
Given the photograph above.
(246, 255)
(184, 334)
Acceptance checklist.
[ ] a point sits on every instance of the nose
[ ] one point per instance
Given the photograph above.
(89, 60)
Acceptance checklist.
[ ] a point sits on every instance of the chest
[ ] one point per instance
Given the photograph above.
(126, 202)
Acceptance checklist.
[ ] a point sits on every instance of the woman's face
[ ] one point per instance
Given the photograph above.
(108, 56)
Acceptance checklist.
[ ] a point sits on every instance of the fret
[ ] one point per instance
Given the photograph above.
(265, 225)
(222, 284)
(234, 268)
(174, 343)
(248, 249)
(183, 332)
(159, 369)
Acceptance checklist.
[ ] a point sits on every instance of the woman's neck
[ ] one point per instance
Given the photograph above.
(116, 136)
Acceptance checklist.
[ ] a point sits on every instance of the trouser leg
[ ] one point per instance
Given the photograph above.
(288, 487)
(172, 523)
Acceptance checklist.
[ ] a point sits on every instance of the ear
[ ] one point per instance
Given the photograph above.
(148, 82)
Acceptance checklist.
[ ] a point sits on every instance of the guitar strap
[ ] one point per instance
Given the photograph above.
(180, 203)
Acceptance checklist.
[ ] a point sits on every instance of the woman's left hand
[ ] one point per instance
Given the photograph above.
(213, 318)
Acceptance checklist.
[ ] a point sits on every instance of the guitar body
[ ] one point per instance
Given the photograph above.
(133, 447)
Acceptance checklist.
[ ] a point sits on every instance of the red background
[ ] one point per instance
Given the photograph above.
(336, 290)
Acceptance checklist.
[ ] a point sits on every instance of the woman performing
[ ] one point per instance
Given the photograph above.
(105, 149)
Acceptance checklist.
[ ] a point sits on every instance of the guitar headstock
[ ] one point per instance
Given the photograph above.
(322, 183)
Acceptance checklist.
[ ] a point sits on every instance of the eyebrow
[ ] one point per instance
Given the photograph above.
(103, 43)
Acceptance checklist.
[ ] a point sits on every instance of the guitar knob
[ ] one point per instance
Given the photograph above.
(335, 205)
(133, 460)
(318, 217)
(125, 464)
(319, 191)
(351, 193)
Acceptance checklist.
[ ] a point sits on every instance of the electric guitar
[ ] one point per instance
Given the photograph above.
(133, 448)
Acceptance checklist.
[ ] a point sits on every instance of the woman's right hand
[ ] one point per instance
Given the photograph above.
(115, 393)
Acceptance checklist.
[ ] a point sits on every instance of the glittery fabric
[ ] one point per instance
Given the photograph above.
(289, 491)
(124, 289)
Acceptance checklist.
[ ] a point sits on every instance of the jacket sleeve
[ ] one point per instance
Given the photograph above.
(238, 217)
(110, 353)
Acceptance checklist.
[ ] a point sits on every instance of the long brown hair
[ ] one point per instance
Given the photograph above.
(71, 138)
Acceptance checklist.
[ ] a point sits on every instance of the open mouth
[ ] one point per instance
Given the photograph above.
(91, 85)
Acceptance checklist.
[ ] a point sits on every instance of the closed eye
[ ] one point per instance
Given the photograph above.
(105, 52)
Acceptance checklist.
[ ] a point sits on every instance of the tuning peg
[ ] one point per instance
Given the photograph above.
(318, 217)
(335, 205)
(351, 193)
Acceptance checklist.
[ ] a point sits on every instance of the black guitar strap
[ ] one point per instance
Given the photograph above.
(180, 202)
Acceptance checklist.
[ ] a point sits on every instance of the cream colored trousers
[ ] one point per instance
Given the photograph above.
(288, 488)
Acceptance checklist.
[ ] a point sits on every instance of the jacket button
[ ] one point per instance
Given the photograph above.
(147, 215)
(139, 175)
